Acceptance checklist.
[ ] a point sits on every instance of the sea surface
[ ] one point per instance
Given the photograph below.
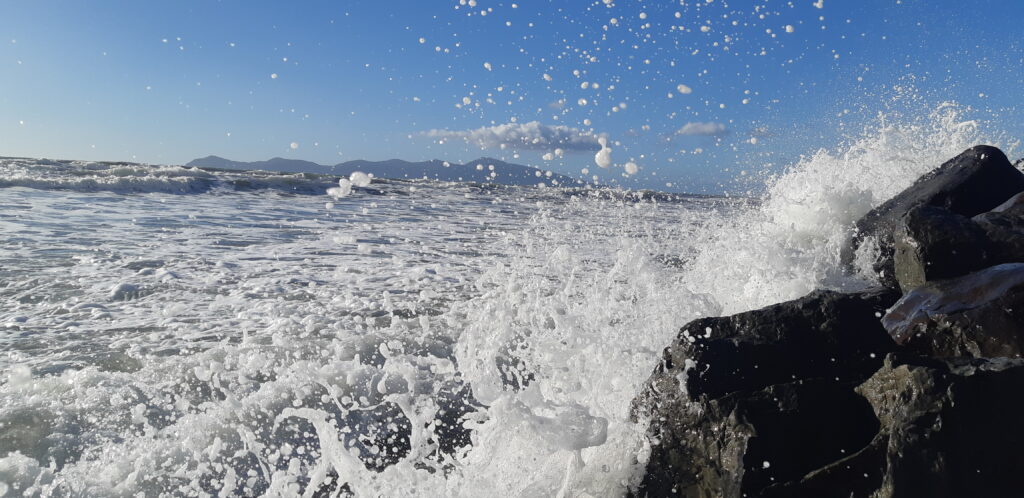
(171, 331)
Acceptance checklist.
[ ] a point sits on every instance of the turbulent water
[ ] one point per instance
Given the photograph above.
(174, 331)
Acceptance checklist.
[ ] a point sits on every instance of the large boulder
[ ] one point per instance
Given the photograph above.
(948, 429)
(932, 243)
(977, 180)
(979, 315)
(824, 334)
(741, 403)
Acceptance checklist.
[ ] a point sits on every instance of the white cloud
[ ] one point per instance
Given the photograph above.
(703, 129)
(529, 136)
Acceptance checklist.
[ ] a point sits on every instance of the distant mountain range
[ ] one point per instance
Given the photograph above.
(483, 170)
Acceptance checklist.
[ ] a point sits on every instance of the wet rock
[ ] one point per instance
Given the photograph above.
(1004, 230)
(824, 334)
(743, 443)
(977, 180)
(932, 243)
(949, 429)
(760, 399)
(977, 315)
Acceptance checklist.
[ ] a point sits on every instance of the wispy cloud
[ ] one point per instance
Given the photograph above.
(529, 136)
(703, 129)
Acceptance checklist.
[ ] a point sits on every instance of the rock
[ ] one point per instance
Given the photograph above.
(972, 183)
(948, 429)
(772, 385)
(978, 315)
(742, 443)
(932, 243)
(1004, 230)
(1014, 205)
(824, 334)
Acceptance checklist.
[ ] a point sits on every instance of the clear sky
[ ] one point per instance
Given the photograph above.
(763, 82)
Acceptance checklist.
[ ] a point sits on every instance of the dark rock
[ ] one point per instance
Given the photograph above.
(1013, 206)
(949, 429)
(742, 443)
(773, 385)
(824, 334)
(932, 243)
(978, 315)
(856, 475)
(972, 183)
(1004, 230)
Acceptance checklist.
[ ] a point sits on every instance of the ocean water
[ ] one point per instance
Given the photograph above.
(178, 332)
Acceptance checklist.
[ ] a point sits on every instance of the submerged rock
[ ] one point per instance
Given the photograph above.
(948, 429)
(977, 180)
(977, 315)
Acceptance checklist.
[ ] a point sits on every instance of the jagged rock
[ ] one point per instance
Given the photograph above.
(948, 429)
(972, 183)
(771, 385)
(824, 334)
(979, 315)
(932, 243)
(742, 443)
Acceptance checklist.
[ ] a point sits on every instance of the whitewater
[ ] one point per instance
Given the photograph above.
(172, 331)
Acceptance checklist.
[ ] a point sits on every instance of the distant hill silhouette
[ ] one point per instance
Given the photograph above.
(479, 170)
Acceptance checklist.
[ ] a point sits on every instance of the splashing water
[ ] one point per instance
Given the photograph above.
(427, 339)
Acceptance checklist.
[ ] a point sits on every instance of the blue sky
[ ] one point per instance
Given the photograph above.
(165, 82)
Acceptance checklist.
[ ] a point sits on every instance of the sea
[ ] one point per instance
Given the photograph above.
(174, 331)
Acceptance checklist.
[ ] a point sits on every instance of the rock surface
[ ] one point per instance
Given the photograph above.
(1004, 230)
(978, 315)
(977, 180)
(949, 429)
(824, 334)
(742, 443)
(932, 243)
(764, 386)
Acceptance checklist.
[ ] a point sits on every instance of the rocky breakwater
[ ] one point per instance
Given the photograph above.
(914, 388)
